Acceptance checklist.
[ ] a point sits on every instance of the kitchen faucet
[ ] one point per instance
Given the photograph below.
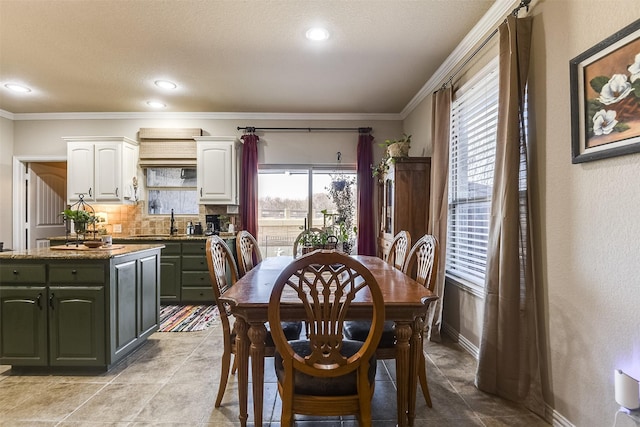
(172, 228)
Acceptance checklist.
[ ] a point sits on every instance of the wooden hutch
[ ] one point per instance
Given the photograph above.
(404, 200)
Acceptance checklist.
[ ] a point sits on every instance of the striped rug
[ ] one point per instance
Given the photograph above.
(187, 318)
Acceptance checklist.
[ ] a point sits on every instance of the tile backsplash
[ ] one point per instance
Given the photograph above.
(134, 220)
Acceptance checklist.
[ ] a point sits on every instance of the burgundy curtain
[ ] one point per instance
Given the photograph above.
(249, 184)
(366, 223)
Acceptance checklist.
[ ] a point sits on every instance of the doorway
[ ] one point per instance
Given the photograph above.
(39, 188)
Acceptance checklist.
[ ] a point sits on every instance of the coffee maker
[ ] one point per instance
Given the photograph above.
(213, 224)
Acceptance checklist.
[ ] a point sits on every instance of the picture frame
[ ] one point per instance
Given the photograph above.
(605, 98)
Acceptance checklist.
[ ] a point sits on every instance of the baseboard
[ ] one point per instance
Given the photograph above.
(551, 415)
(556, 418)
(460, 339)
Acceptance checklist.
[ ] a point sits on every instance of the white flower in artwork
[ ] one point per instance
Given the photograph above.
(617, 88)
(604, 122)
(634, 69)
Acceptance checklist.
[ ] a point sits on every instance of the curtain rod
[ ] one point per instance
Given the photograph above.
(253, 129)
(514, 12)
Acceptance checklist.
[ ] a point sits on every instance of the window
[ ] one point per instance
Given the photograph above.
(290, 198)
(474, 115)
(172, 188)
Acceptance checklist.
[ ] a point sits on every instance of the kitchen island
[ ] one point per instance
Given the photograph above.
(183, 267)
(70, 308)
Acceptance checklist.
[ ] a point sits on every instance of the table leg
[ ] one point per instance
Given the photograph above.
(242, 353)
(257, 334)
(403, 335)
(414, 361)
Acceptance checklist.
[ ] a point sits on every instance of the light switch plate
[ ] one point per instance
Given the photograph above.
(233, 209)
(117, 228)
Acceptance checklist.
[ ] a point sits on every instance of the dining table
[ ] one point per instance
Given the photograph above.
(406, 303)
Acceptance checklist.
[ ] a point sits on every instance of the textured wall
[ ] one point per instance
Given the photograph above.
(6, 159)
(588, 224)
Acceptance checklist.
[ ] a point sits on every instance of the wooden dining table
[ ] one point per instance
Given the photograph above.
(406, 303)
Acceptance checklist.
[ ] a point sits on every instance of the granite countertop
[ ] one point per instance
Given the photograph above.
(81, 252)
(154, 237)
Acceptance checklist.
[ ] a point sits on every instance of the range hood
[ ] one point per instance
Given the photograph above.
(168, 147)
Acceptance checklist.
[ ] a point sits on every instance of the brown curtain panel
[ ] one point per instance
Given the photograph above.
(366, 223)
(438, 205)
(249, 184)
(508, 365)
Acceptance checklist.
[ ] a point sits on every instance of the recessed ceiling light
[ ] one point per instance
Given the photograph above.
(17, 88)
(156, 104)
(166, 84)
(317, 34)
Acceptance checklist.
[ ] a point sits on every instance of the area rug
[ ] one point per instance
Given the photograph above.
(187, 318)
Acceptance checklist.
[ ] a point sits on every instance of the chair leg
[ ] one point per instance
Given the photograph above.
(234, 368)
(422, 376)
(224, 376)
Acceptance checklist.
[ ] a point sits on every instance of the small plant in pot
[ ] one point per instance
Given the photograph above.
(397, 147)
(81, 219)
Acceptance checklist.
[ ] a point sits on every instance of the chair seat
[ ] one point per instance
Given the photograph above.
(292, 331)
(358, 330)
(344, 385)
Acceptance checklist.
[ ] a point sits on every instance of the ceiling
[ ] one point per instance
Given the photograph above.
(226, 56)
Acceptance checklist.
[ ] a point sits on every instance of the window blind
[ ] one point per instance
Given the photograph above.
(474, 115)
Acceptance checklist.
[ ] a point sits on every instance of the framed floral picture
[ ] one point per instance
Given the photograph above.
(605, 98)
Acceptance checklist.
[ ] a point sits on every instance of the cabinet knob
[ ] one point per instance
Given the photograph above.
(15, 271)
(74, 271)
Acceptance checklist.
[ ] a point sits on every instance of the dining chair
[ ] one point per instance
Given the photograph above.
(247, 251)
(219, 258)
(421, 263)
(302, 238)
(400, 246)
(325, 374)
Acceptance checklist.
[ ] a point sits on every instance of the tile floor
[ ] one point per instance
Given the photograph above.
(172, 381)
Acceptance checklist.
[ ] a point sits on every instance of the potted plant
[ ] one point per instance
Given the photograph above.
(397, 147)
(341, 223)
(380, 170)
(80, 218)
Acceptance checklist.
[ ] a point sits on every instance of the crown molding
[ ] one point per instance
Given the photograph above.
(202, 116)
(493, 17)
(7, 115)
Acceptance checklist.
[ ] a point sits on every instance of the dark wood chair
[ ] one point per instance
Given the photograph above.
(399, 248)
(325, 374)
(422, 261)
(420, 265)
(247, 251)
(219, 258)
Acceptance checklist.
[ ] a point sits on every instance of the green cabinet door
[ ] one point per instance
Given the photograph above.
(23, 326)
(76, 326)
(170, 269)
(124, 307)
(149, 295)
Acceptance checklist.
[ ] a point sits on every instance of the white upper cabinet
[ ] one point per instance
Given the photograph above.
(102, 168)
(217, 170)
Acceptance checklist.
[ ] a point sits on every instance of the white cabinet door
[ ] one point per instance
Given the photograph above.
(80, 171)
(108, 173)
(102, 168)
(217, 171)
